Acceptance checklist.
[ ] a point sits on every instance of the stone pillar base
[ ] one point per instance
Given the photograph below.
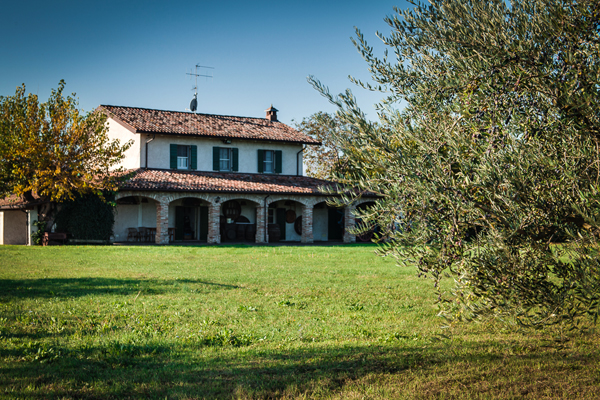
(214, 224)
(260, 224)
(349, 222)
(162, 223)
(307, 224)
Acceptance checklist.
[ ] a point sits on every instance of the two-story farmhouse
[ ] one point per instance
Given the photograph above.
(213, 178)
(219, 178)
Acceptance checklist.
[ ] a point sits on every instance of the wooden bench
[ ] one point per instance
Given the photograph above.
(54, 238)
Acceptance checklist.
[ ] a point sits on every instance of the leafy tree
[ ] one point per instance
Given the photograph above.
(494, 159)
(322, 161)
(52, 150)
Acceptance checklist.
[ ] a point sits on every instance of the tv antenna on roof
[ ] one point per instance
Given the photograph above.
(194, 102)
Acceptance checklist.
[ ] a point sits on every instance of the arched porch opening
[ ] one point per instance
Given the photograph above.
(284, 221)
(135, 219)
(238, 220)
(188, 220)
(370, 230)
(328, 223)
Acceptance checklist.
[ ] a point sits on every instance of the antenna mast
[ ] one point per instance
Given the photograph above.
(194, 102)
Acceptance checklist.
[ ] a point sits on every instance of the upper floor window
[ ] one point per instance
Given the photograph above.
(269, 161)
(225, 159)
(183, 156)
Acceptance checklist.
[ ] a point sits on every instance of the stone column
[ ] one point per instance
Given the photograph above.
(260, 224)
(349, 222)
(214, 223)
(162, 222)
(307, 224)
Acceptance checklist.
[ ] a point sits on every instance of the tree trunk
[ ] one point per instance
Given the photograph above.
(47, 213)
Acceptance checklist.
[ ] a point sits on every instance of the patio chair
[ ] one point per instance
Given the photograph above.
(151, 234)
(132, 234)
(144, 234)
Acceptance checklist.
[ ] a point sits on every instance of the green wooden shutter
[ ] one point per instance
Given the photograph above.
(278, 161)
(216, 158)
(234, 161)
(173, 156)
(194, 157)
(261, 161)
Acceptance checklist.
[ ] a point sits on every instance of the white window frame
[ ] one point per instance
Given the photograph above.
(183, 162)
(269, 165)
(228, 160)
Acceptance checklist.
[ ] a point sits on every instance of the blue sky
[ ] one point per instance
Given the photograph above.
(137, 53)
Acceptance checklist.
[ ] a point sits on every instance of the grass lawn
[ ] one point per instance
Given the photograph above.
(257, 322)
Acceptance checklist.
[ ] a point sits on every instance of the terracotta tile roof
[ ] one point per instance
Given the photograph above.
(176, 180)
(145, 120)
(15, 202)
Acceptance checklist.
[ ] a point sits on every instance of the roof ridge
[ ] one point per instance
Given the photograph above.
(190, 113)
(166, 122)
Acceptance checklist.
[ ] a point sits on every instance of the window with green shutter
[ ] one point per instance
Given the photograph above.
(183, 156)
(225, 159)
(269, 161)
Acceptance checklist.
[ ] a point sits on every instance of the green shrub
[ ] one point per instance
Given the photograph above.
(87, 217)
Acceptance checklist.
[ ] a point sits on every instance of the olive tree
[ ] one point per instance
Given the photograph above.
(489, 173)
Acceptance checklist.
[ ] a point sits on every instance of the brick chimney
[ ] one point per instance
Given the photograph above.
(272, 113)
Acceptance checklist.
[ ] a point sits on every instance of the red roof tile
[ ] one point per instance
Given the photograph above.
(16, 202)
(177, 180)
(145, 120)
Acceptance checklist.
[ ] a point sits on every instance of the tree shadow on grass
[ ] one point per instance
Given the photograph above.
(78, 287)
(152, 370)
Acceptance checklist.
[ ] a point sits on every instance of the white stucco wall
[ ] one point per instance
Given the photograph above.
(14, 227)
(290, 233)
(133, 155)
(159, 153)
(126, 217)
(148, 214)
(248, 211)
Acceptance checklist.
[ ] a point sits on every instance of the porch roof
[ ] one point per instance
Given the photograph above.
(14, 202)
(219, 182)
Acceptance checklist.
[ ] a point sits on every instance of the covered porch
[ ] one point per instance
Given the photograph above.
(165, 207)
